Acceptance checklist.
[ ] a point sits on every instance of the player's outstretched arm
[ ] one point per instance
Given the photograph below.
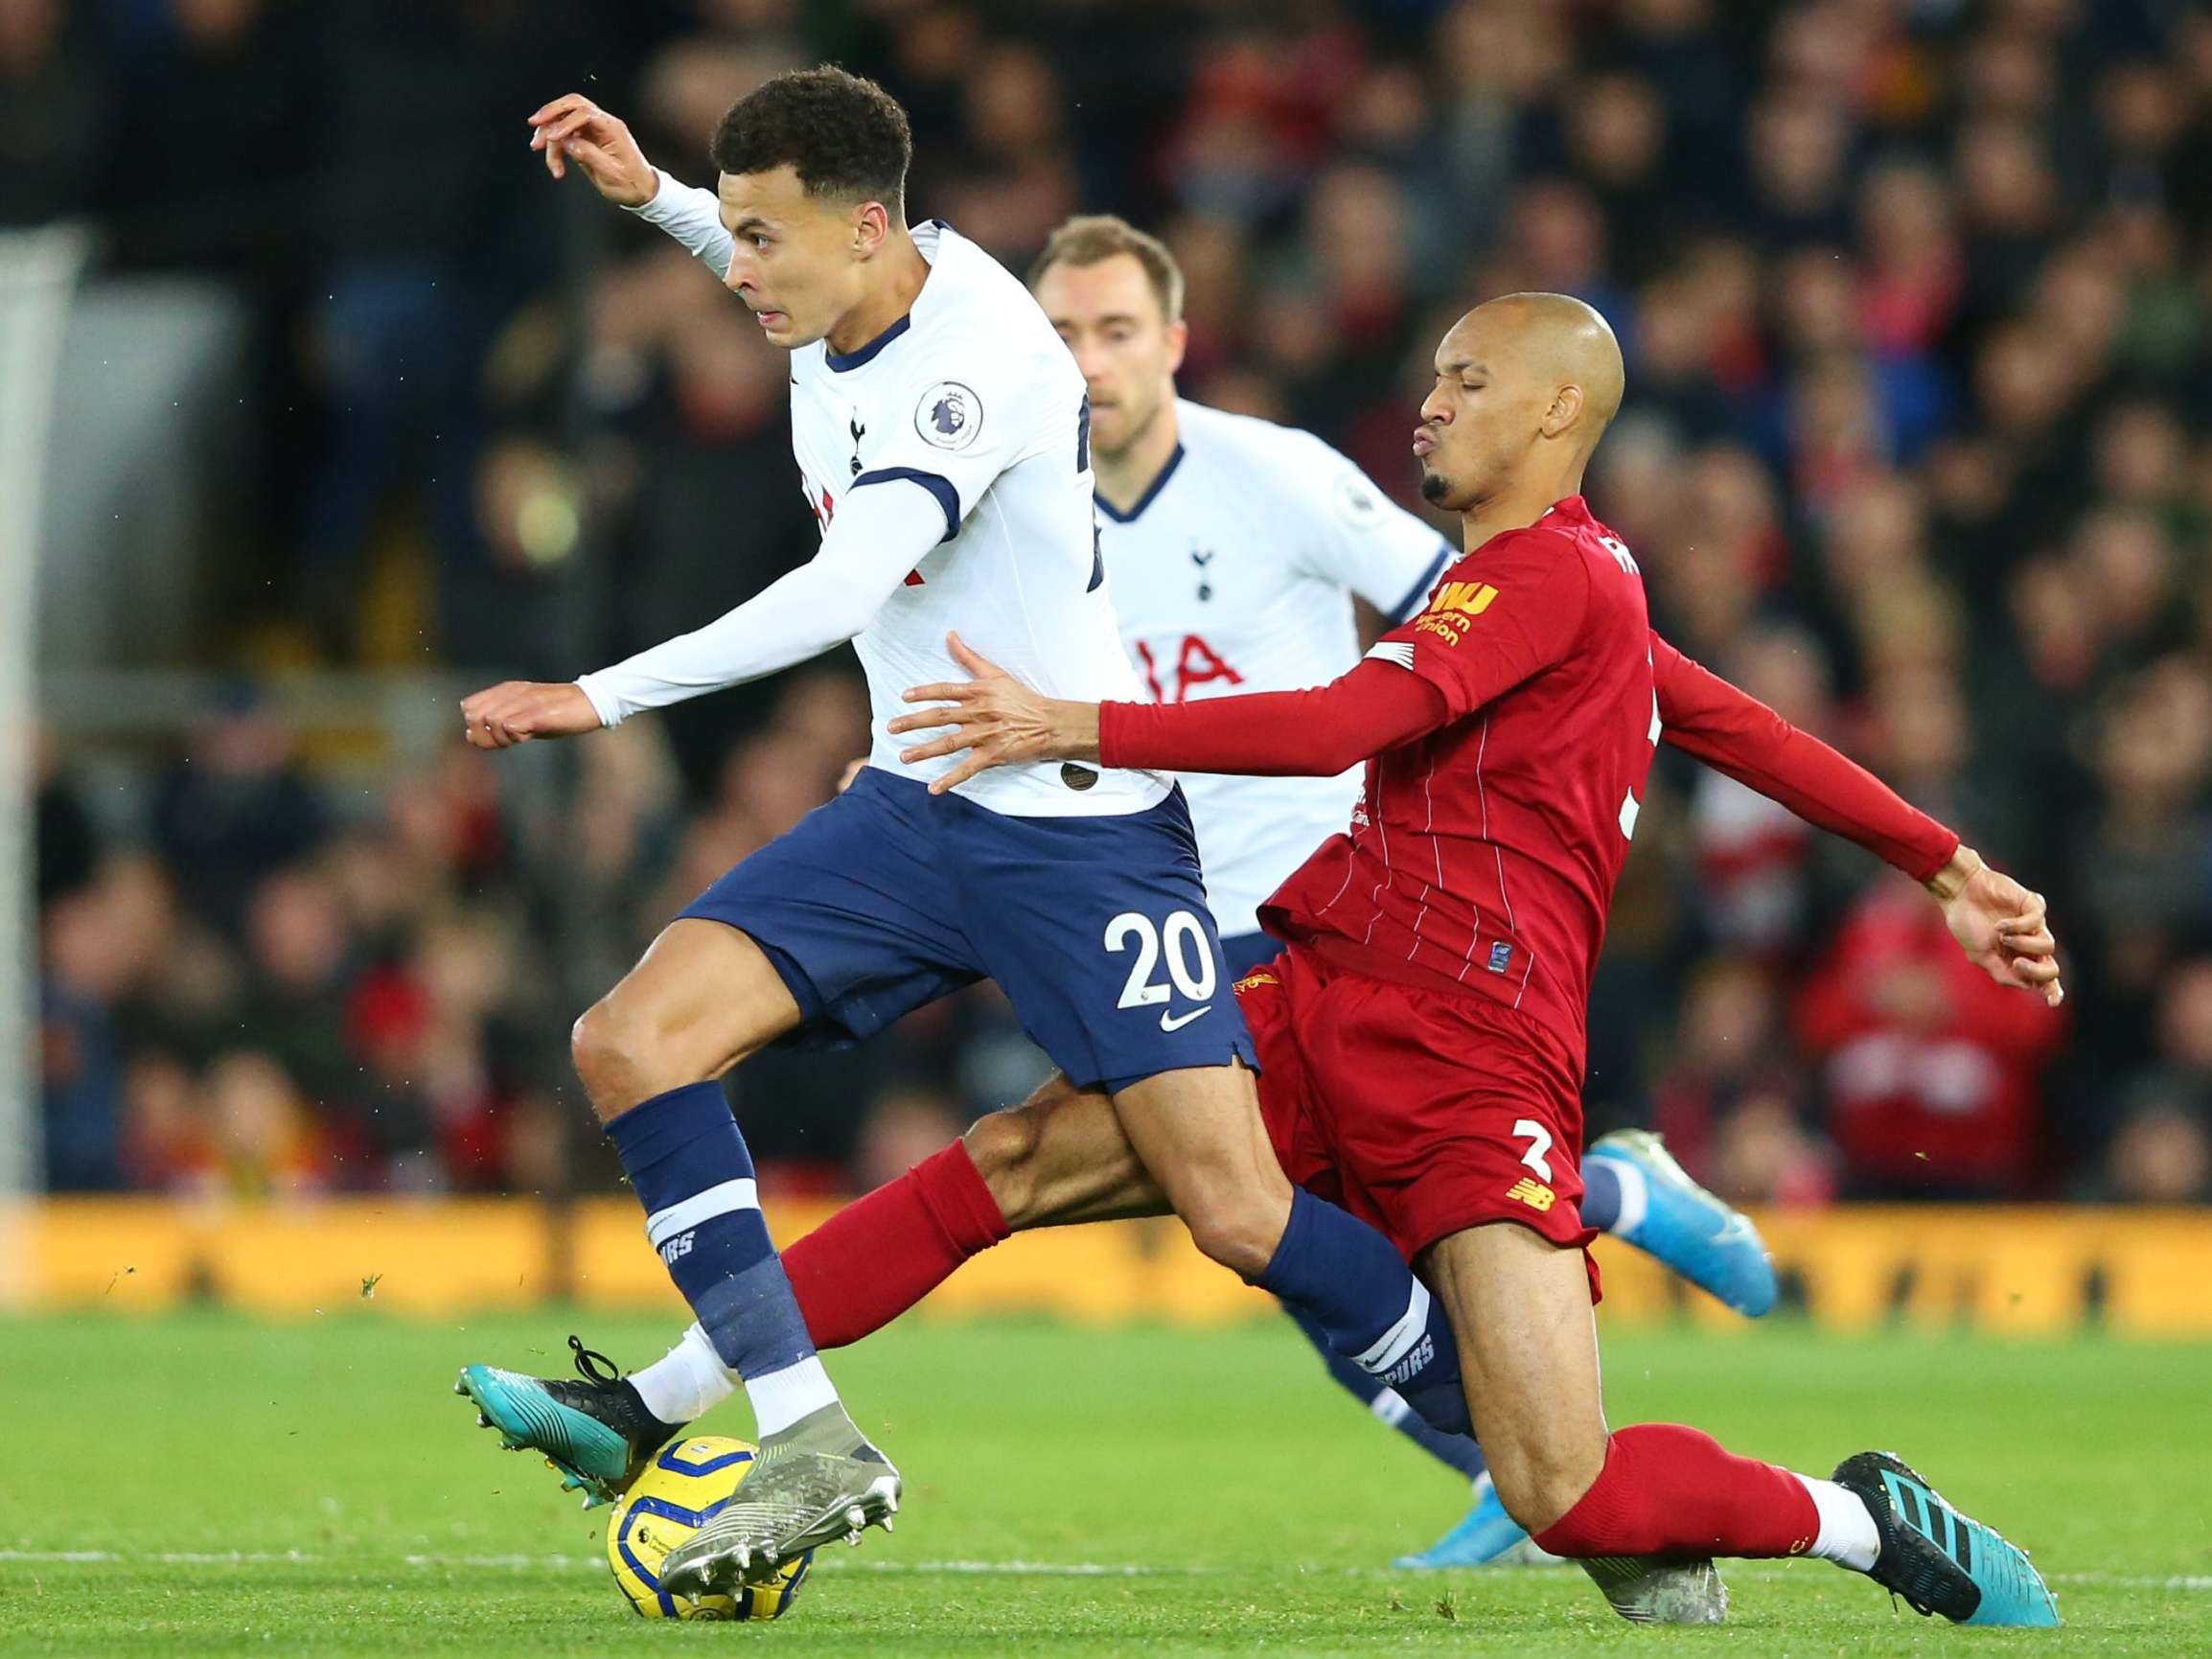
(1999, 923)
(881, 533)
(998, 721)
(572, 131)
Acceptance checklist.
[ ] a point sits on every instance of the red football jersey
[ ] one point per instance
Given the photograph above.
(1484, 856)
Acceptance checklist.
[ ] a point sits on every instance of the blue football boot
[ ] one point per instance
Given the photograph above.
(1938, 1559)
(1685, 1227)
(595, 1432)
(1487, 1537)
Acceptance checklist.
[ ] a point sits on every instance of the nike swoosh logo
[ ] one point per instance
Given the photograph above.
(1736, 1230)
(1176, 1021)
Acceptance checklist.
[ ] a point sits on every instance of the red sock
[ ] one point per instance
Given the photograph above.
(880, 1255)
(1668, 1490)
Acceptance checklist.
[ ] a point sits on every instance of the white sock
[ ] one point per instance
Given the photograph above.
(1635, 1197)
(1847, 1536)
(687, 1381)
(781, 1397)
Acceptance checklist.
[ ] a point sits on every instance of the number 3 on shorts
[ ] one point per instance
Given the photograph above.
(1540, 1139)
(1190, 962)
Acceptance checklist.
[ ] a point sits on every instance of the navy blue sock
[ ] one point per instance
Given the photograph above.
(1355, 1287)
(691, 1171)
(1457, 1451)
(1600, 1195)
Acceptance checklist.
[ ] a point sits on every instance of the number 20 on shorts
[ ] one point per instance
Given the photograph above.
(1180, 944)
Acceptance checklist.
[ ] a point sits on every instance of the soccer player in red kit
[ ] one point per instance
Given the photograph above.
(1422, 1037)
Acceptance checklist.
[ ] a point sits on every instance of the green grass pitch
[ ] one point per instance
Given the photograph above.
(207, 1485)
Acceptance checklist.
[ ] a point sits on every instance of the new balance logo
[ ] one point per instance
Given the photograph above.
(1534, 1193)
(675, 1249)
(1421, 1353)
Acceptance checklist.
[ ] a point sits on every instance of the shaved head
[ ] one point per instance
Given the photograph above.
(1566, 341)
(1526, 387)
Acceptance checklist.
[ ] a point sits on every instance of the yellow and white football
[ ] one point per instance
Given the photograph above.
(684, 1486)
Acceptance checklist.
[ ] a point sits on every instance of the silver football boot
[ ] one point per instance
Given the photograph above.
(818, 1481)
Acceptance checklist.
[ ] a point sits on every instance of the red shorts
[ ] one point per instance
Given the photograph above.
(1422, 1112)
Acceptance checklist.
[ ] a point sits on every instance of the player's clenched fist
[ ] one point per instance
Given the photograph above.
(572, 129)
(2002, 927)
(516, 710)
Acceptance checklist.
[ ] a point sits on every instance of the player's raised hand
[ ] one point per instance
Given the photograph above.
(572, 129)
(516, 710)
(995, 719)
(2000, 925)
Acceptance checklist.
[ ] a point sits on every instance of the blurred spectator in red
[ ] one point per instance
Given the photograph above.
(1931, 1072)
(1914, 274)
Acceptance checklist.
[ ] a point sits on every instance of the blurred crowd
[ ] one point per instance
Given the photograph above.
(1916, 301)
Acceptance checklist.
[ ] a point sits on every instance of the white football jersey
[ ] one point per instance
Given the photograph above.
(1235, 574)
(972, 398)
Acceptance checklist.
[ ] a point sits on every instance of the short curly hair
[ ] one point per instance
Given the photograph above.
(842, 134)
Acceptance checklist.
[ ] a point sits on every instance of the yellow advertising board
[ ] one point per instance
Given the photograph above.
(2014, 1270)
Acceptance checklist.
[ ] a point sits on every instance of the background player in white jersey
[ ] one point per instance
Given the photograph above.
(1234, 547)
(943, 435)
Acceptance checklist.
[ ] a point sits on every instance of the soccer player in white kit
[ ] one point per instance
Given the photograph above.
(943, 436)
(1235, 546)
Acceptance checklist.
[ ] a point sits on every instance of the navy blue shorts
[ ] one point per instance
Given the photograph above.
(1096, 928)
(1246, 952)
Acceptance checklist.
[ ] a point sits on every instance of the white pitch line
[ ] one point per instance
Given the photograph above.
(2198, 1582)
(564, 1563)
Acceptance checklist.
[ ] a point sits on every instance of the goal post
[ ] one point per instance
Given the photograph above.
(39, 275)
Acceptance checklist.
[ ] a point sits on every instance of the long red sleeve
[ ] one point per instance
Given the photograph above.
(1315, 733)
(1734, 732)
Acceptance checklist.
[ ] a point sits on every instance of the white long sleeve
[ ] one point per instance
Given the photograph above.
(693, 216)
(879, 535)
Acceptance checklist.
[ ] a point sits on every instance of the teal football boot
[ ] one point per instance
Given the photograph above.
(596, 1432)
(1487, 1537)
(1686, 1227)
(1938, 1559)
